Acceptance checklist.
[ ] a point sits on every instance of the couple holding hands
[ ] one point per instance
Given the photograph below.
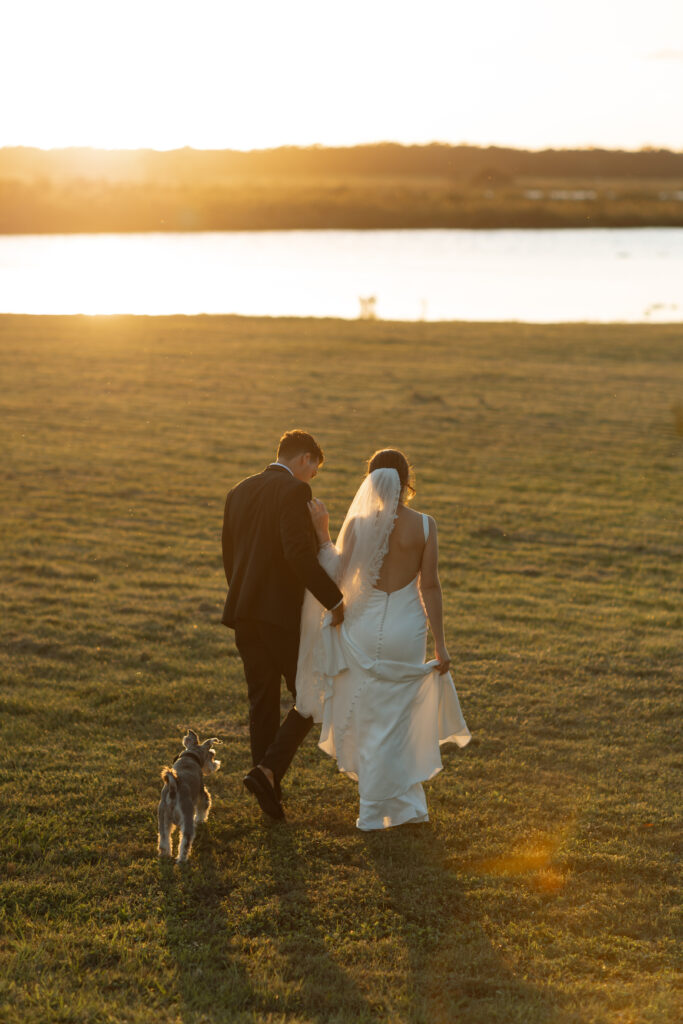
(345, 624)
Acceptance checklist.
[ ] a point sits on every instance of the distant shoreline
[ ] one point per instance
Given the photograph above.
(385, 186)
(476, 217)
(7, 319)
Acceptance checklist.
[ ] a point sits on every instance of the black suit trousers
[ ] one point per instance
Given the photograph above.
(268, 653)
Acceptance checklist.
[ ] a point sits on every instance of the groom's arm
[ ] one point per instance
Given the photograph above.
(227, 543)
(298, 548)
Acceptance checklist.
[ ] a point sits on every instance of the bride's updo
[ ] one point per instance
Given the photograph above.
(392, 458)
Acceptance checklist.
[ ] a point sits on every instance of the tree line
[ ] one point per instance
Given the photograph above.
(386, 160)
(364, 187)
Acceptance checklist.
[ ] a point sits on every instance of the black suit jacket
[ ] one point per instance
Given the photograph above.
(270, 551)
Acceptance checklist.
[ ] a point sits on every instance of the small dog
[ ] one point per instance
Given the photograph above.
(185, 800)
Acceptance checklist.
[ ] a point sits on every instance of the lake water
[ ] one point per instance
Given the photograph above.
(624, 274)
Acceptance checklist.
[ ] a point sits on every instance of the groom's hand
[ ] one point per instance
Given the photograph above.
(337, 615)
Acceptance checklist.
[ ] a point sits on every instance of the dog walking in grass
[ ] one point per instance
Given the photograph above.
(185, 801)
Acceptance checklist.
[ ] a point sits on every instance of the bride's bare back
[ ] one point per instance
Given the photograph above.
(406, 547)
(407, 557)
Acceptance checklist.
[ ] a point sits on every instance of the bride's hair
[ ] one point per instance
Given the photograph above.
(392, 458)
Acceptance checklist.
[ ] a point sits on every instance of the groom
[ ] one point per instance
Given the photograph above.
(270, 559)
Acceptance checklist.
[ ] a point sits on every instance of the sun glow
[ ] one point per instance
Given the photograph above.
(220, 75)
(539, 862)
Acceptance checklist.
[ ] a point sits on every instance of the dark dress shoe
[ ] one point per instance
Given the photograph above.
(257, 783)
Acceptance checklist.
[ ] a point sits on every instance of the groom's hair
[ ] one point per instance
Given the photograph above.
(298, 442)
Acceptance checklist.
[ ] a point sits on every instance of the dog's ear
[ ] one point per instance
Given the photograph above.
(191, 739)
(210, 743)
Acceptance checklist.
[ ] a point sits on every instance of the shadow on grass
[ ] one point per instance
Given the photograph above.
(324, 991)
(439, 964)
(211, 980)
(456, 972)
(248, 941)
(300, 976)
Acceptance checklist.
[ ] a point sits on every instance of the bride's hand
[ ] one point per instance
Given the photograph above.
(321, 520)
(444, 659)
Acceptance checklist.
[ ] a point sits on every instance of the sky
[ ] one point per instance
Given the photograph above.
(254, 74)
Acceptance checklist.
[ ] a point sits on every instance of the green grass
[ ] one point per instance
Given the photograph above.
(544, 888)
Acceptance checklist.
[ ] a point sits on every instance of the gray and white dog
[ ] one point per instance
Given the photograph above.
(185, 801)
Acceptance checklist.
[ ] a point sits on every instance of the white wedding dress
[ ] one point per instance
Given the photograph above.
(384, 710)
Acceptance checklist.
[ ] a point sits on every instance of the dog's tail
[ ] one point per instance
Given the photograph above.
(171, 780)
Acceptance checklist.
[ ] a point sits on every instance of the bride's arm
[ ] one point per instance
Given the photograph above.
(430, 587)
(327, 552)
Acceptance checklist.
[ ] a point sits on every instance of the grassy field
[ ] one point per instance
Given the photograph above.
(543, 890)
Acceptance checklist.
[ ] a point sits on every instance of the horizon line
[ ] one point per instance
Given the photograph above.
(587, 147)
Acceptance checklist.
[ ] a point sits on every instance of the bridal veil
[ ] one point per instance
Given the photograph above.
(354, 563)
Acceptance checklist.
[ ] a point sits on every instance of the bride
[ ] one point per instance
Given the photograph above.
(384, 709)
